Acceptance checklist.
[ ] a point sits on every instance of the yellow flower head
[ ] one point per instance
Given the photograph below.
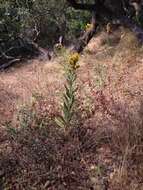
(88, 26)
(73, 59)
(76, 66)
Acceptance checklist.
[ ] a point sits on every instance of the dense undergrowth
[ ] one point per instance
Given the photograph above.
(43, 156)
(102, 146)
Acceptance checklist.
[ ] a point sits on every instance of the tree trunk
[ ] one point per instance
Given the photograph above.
(87, 36)
(106, 11)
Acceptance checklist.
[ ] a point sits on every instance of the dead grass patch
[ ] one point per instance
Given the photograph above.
(104, 148)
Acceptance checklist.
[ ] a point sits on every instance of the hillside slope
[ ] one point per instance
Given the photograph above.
(104, 149)
(115, 70)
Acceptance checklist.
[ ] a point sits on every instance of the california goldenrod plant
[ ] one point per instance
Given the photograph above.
(64, 120)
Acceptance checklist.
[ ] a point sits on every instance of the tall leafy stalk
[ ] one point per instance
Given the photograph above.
(64, 120)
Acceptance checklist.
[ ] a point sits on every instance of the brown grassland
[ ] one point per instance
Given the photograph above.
(103, 150)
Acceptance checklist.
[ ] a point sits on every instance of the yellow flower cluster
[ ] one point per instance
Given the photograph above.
(88, 26)
(73, 60)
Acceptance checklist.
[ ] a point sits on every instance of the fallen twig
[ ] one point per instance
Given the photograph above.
(6, 65)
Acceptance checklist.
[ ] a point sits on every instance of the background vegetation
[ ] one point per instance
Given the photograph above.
(46, 19)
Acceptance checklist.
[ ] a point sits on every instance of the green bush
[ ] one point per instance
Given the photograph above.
(51, 19)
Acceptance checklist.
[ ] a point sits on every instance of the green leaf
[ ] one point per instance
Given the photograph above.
(65, 98)
(66, 112)
(67, 91)
(73, 77)
(71, 101)
(60, 122)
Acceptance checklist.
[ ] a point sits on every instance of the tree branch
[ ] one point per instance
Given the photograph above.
(81, 6)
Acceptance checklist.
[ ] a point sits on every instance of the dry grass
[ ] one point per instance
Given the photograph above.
(104, 149)
(114, 87)
(36, 78)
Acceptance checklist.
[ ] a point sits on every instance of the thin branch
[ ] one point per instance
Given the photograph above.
(8, 64)
(81, 6)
